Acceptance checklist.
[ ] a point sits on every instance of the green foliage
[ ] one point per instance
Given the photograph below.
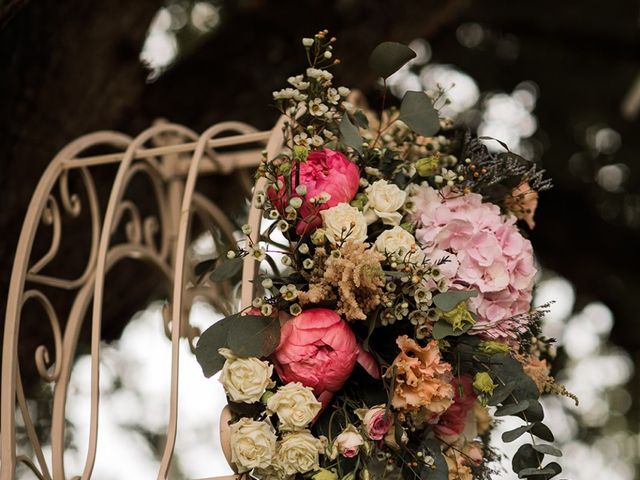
(254, 336)
(526, 457)
(418, 113)
(447, 301)
(516, 433)
(227, 269)
(388, 57)
(518, 396)
(540, 430)
(244, 335)
(350, 134)
(442, 329)
(441, 470)
(212, 339)
(512, 409)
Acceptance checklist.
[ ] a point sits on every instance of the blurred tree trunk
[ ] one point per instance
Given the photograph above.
(72, 67)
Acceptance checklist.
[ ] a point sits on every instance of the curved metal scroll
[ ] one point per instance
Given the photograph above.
(170, 158)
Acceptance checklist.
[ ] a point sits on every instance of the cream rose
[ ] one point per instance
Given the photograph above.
(295, 405)
(398, 241)
(245, 379)
(253, 444)
(384, 199)
(299, 452)
(344, 222)
(349, 441)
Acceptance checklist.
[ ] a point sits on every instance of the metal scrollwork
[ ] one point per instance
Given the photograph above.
(170, 158)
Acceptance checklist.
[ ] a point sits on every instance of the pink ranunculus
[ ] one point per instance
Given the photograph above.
(324, 171)
(377, 422)
(319, 349)
(452, 422)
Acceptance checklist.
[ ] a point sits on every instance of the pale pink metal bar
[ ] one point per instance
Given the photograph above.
(171, 158)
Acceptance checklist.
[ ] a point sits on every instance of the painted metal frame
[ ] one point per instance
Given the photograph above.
(172, 158)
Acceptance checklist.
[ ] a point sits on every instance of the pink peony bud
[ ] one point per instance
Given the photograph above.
(324, 172)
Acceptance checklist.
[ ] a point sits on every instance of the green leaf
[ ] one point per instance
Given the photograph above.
(361, 119)
(210, 341)
(442, 329)
(501, 393)
(388, 57)
(549, 471)
(526, 457)
(373, 320)
(447, 301)
(514, 434)
(441, 470)
(507, 370)
(417, 111)
(227, 269)
(548, 450)
(534, 412)
(512, 409)
(540, 430)
(254, 336)
(204, 266)
(350, 134)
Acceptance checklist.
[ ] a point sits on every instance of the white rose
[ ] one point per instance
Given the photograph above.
(299, 452)
(349, 442)
(253, 444)
(397, 240)
(295, 405)
(344, 222)
(384, 201)
(245, 379)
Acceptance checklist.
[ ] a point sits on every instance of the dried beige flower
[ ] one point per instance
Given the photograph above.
(354, 279)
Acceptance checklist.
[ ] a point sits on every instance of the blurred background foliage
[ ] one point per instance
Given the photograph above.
(559, 82)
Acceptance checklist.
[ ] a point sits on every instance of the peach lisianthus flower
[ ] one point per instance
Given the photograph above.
(422, 380)
(523, 203)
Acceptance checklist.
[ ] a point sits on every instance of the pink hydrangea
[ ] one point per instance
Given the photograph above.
(486, 252)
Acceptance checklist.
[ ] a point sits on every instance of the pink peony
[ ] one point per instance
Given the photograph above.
(452, 422)
(324, 171)
(487, 253)
(319, 349)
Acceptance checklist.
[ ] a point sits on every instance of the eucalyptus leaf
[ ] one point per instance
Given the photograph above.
(514, 434)
(534, 472)
(350, 134)
(550, 470)
(441, 470)
(540, 430)
(361, 119)
(442, 329)
(526, 457)
(508, 370)
(210, 341)
(512, 409)
(534, 412)
(204, 266)
(548, 449)
(447, 301)
(418, 113)
(388, 57)
(501, 393)
(226, 270)
(254, 336)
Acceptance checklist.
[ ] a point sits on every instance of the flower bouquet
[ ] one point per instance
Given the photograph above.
(392, 319)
